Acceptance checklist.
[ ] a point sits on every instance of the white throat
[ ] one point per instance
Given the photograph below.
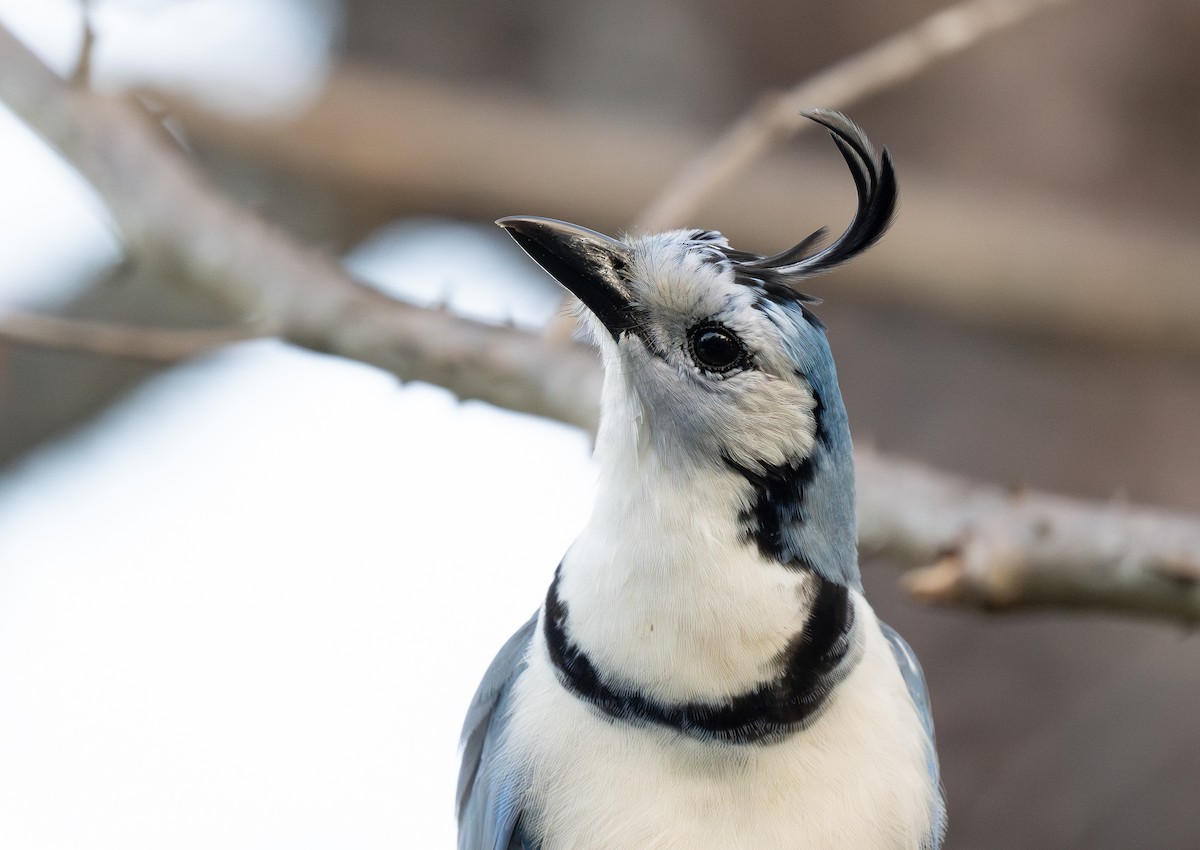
(662, 591)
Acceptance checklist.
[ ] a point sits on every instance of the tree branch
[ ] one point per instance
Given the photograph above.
(990, 548)
(176, 224)
(895, 60)
(999, 549)
(126, 342)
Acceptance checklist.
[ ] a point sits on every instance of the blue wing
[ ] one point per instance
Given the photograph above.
(910, 669)
(488, 803)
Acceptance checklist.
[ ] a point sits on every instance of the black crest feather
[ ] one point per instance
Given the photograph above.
(875, 181)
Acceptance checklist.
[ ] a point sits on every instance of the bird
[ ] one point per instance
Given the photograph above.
(704, 671)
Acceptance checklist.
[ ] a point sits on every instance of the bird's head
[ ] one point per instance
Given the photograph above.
(718, 373)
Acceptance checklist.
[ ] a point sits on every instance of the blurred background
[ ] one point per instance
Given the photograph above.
(244, 600)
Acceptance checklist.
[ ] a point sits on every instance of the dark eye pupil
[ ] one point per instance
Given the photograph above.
(716, 348)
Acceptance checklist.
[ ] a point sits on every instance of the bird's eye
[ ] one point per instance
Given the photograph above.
(715, 348)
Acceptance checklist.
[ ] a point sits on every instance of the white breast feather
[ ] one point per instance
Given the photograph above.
(682, 609)
(854, 780)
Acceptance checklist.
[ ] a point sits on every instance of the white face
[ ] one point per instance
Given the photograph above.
(709, 373)
(719, 384)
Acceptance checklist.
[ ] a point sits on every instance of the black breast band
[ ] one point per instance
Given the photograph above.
(815, 661)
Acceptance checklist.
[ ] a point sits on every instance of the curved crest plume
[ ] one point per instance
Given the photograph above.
(875, 180)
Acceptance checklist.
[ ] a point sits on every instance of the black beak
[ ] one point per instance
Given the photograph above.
(589, 264)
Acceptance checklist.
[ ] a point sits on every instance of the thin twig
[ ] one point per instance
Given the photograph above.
(82, 75)
(991, 548)
(777, 116)
(886, 64)
(127, 342)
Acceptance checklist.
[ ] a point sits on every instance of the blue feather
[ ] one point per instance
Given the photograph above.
(489, 802)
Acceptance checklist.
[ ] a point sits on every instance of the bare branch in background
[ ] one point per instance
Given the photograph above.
(892, 61)
(989, 547)
(176, 224)
(126, 342)
(1000, 549)
(777, 116)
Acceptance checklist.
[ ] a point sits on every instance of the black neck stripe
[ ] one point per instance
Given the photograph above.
(778, 492)
(814, 662)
